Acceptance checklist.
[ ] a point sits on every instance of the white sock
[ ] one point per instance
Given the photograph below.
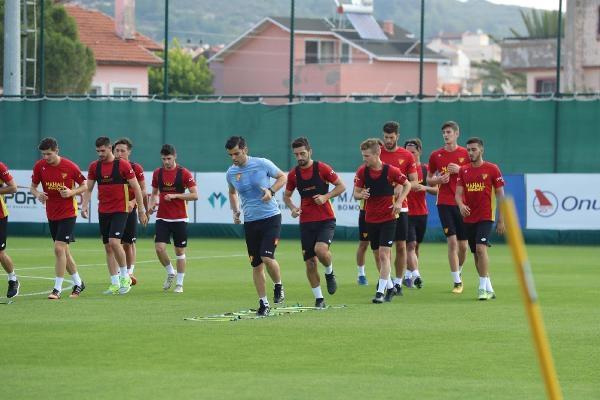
(131, 268)
(277, 283)
(317, 292)
(170, 269)
(482, 282)
(390, 283)
(114, 279)
(123, 272)
(12, 276)
(456, 277)
(361, 270)
(180, 276)
(58, 283)
(76, 279)
(408, 274)
(265, 300)
(382, 285)
(329, 270)
(397, 281)
(416, 273)
(488, 285)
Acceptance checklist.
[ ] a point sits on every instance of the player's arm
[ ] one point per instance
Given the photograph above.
(432, 190)
(133, 183)
(500, 221)
(10, 187)
(144, 193)
(458, 196)
(339, 188)
(66, 193)
(153, 201)
(40, 196)
(400, 193)
(191, 195)
(361, 193)
(280, 181)
(287, 199)
(87, 195)
(235, 204)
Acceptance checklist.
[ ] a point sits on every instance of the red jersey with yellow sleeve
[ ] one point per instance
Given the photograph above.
(417, 201)
(172, 181)
(5, 176)
(479, 194)
(112, 177)
(404, 161)
(53, 179)
(438, 163)
(313, 180)
(379, 206)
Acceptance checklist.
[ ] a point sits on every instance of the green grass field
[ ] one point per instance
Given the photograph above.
(429, 344)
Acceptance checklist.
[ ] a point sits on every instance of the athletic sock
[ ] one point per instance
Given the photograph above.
(482, 282)
(76, 279)
(170, 269)
(265, 300)
(114, 279)
(329, 270)
(317, 292)
(382, 285)
(12, 276)
(456, 277)
(390, 283)
(180, 276)
(416, 273)
(130, 269)
(277, 283)
(58, 283)
(361, 270)
(397, 281)
(488, 284)
(123, 272)
(408, 274)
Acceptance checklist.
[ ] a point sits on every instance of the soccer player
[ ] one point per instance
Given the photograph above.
(58, 176)
(478, 186)
(417, 216)
(402, 159)
(113, 175)
(384, 188)
(444, 164)
(317, 219)
(249, 178)
(7, 186)
(170, 183)
(122, 149)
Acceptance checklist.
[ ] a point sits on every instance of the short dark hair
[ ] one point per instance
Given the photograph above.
(233, 141)
(103, 141)
(126, 141)
(450, 124)
(168, 150)
(391, 127)
(370, 144)
(299, 142)
(414, 142)
(48, 143)
(475, 139)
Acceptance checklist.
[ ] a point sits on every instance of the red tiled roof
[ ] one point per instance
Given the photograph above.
(97, 31)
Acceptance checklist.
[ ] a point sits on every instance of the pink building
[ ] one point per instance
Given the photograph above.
(327, 61)
(122, 55)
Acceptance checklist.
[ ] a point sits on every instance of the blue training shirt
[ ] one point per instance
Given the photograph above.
(249, 181)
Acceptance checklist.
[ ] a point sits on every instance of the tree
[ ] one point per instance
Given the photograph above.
(540, 24)
(186, 76)
(69, 64)
(497, 81)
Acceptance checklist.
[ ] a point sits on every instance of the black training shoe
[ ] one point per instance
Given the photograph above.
(418, 282)
(278, 294)
(263, 309)
(398, 288)
(389, 295)
(378, 299)
(55, 295)
(77, 290)
(320, 303)
(331, 283)
(13, 289)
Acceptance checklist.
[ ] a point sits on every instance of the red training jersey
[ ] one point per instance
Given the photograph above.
(53, 179)
(138, 170)
(417, 201)
(176, 209)
(479, 184)
(5, 176)
(113, 195)
(379, 208)
(438, 163)
(404, 161)
(311, 211)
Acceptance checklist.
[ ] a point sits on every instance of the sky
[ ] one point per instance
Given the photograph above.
(545, 4)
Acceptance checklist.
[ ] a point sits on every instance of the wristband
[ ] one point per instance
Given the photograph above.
(272, 192)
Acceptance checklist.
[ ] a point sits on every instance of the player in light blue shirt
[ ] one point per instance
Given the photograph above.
(249, 178)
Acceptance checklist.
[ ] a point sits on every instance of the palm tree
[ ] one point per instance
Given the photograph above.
(540, 24)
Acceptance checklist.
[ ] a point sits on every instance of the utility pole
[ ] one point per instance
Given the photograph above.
(12, 48)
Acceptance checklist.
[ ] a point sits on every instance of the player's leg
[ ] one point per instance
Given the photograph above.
(252, 233)
(307, 241)
(363, 245)
(180, 240)
(60, 258)
(128, 241)
(162, 237)
(7, 263)
(400, 244)
(483, 231)
(118, 221)
(420, 228)
(325, 231)
(270, 231)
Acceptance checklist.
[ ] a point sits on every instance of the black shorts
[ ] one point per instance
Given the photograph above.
(3, 226)
(62, 229)
(401, 227)
(178, 229)
(479, 233)
(382, 234)
(452, 221)
(417, 226)
(262, 237)
(363, 232)
(313, 232)
(112, 225)
(130, 233)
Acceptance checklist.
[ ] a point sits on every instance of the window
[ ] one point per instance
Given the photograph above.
(545, 85)
(311, 52)
(598, 25)
(345, 53)
(95, 90)
(320, 52)
(327, 53)
(121, 91)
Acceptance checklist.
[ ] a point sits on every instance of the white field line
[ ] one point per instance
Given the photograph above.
(39, 293)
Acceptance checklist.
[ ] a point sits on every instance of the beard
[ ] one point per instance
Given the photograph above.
(302, 163)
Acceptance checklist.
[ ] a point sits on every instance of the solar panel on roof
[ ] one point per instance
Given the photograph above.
(366, 26)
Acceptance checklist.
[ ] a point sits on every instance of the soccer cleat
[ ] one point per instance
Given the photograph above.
(278, 294)
(168, 281)
(490, 295)
(133, 279)
(112, 289)
(331, 283)
(178, 289)
(263, 309)
(458, 288)
(418, 282)
(389, 295)
(398, 288)
(408, 283)
(378, 299)
(362, 280)
(77, 290)
(55, 295)
(320, 303)
(124, 285)
(482, 294)
(13, 289)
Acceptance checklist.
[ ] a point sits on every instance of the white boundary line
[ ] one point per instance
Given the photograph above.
(39, 293)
